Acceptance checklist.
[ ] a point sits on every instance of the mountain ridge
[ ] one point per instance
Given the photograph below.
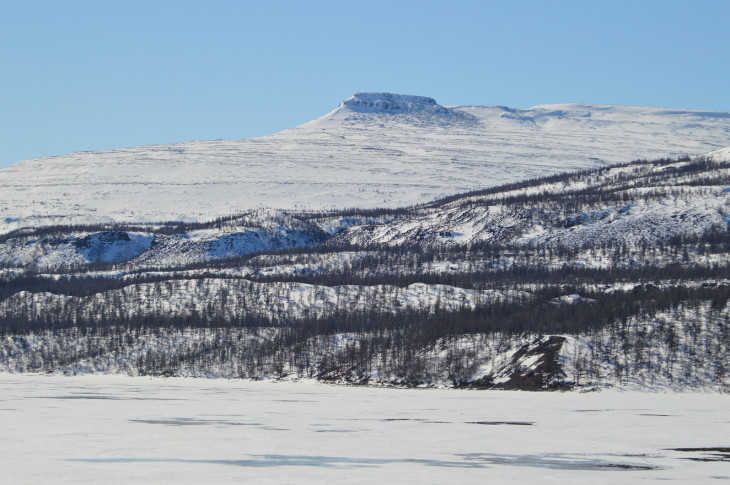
(387, 158)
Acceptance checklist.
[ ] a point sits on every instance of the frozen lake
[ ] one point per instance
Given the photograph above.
(109, 429)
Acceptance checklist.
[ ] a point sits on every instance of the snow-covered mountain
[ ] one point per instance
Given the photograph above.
(374, 150)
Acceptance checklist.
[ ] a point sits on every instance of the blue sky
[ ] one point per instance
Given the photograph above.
(88, 75)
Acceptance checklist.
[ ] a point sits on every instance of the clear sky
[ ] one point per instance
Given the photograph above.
(87, 75)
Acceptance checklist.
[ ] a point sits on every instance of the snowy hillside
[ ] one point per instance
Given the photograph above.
(634, 205)
(374, 150)
(63, 247)
(720, 155)
(616, 276)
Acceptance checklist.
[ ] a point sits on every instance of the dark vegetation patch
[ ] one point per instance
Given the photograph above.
(501, 423)
(556, 461)
(708, 454)
(193, 422)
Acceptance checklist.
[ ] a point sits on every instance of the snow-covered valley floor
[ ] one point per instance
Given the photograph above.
(112, 429)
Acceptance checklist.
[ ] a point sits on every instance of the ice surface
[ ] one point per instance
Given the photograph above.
(108, 429)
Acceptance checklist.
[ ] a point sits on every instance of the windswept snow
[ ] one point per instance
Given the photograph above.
(374, 150)
(720, 155)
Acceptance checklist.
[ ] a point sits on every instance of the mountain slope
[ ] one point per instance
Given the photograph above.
(636, 205)
(374, 150)
(633, 204)
(147, 245)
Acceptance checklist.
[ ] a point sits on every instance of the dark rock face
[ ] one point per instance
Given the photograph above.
(532, 367)
(388, 102)
(542, 374)
(101, 238)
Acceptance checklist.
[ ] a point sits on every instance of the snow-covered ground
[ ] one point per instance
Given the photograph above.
(111, 429)
(374, 150)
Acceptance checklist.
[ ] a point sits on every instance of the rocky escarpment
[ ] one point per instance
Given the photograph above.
(391, 103)
(415, 110)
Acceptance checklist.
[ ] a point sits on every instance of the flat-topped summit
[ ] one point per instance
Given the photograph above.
(391, 103)
(406, 108)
